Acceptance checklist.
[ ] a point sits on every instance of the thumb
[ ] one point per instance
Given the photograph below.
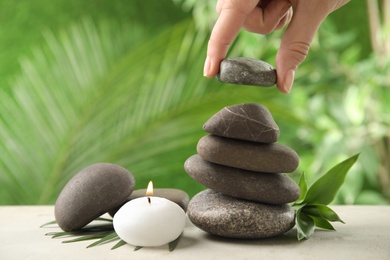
(296, 42)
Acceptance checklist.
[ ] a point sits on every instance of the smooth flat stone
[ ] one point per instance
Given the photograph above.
(247, 71)
(249, 121)
(92, 192)
(259, 157)
(275, 188)
(226, 216)
(180, 197)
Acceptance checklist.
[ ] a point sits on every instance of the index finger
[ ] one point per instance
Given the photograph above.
(232, 16)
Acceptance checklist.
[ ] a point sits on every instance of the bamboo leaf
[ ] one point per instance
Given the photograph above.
(119, 244)
(320, 222)
(323, 211)
(48, 223)
(303, 189)
(85, 238)
(107, 238)
(305, 225)
(325, 188)
(172, 245)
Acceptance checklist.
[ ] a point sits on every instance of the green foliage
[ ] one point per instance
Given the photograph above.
(103, 234)
(311, 207)
(95, 94)
(131, 92)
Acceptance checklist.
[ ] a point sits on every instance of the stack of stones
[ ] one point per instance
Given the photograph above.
(243, 167)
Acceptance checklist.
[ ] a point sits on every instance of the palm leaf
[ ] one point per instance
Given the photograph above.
(81, 100)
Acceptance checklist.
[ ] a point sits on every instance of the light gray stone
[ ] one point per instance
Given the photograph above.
(272, 188)
(247, 71)
(226, 216)
(249, 121)
(92, 192)
(259, 157)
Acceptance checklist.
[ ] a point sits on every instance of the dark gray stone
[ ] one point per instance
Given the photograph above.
(249, 121)
(247, 71)
(275, 188)
(92, 192)
(226, 216)
(180, 197)
(259, 157)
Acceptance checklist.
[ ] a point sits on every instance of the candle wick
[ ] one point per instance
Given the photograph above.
(149, 200)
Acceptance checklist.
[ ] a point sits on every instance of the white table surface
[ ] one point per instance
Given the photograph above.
(366, 235)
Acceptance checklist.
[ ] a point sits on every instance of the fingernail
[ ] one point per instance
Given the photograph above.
(288, 81)
(206, 67)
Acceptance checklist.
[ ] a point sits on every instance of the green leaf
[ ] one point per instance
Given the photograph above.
(85, 238)
(104, 219)
(119, 244)
(138, 248)
(172, 245)
(305, 225)
(49, 223)
(107, 238)
(325, 188)
(322, 211)
(320, 222)
(303, 189)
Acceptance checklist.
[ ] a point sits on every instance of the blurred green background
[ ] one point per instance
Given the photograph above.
(121, 81)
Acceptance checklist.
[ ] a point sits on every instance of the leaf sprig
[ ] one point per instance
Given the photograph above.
(102, 233)
(311, 207)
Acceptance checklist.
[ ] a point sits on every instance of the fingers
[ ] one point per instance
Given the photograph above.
(231, 18)
(296, 41)
(235, 14)
(266, 20)
(295, 44)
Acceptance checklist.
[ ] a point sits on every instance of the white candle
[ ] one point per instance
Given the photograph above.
(149, 221)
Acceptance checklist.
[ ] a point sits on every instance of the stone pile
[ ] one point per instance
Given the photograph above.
(243, 167)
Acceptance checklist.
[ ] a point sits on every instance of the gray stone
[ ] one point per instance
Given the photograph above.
(259, 157)
(180, 197)
(226, 216)
(247, 71)
(92, 192)
(275, 188)
(249, 121)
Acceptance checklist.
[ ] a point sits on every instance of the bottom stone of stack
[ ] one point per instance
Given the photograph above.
(227, 216)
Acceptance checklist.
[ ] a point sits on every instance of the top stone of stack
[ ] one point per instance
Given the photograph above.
(250, 121)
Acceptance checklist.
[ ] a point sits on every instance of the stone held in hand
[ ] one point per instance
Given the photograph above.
(226, 216)
(92, 192)
(249, 121)
(276, 188)
(247, 71)
(259, 157)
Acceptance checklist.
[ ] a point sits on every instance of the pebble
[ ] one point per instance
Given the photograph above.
(92, 192)
(248, 121)
(226, 216)
(247, 71)
(272, 158)
(276, 188)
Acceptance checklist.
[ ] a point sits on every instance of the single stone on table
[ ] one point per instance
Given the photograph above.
(259, 157)
(249, 121)
(247, 71)
(276, 188)
(92, 192)
(226, 216)
(180, 197)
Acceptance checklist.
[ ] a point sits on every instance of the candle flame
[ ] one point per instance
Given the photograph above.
(149, 190)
